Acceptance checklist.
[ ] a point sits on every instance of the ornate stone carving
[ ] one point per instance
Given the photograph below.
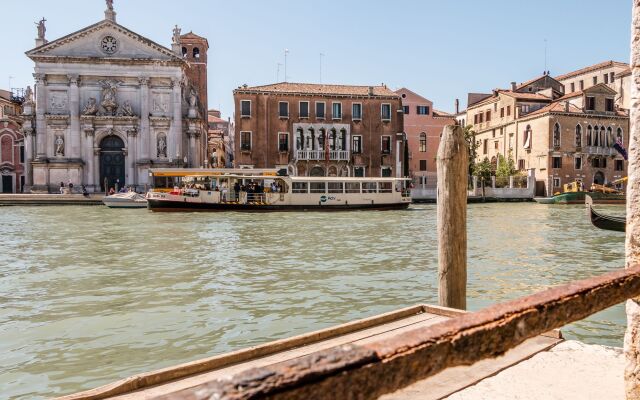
(144, 80)
(59, 146)
(126, 110)
(88, 132)
(73, 79)
(42, 29)
(109, 5)
(91, 108)
(162, 146)
(160, 105)
(176, 34)
(28, 95)
(58, 101)
(109, 102)
(40, 78)
(132, 132)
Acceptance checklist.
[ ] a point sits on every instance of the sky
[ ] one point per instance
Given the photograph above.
(441, 50)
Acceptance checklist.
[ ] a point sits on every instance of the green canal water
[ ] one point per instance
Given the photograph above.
(89, 295)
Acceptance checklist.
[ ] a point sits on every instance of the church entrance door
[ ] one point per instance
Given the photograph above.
(7, 184)
(111, 163)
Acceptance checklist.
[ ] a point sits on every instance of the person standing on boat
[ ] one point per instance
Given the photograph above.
(224, 190)
(61, 187)
(236, 189)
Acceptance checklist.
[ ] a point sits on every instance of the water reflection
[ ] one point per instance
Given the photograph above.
(90, 295)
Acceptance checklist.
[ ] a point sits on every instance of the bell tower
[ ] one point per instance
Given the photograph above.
(194, 50)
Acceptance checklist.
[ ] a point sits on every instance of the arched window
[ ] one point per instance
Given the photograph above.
(610, 140)
(321, 136)
(619, 138)
(332, 139)
(556, 135)
(578, 135)
(184, 52)
(423, 142)
(596, 136)
(299, 139)
(526, 137)
(196, 52)
(343, 139)
(311, 144)
(602, 133)
(589, 135)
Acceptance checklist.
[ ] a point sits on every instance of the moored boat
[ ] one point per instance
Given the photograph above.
(602, 221)
(125, 200)
(264, 190)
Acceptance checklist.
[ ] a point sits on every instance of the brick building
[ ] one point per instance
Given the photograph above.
(320, 130)
(563, 137)
(218, 141)
(12, 156)
(423, 126)
(584, 78)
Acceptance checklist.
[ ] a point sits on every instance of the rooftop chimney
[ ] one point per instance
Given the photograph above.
(457, 106)
(566, 106)
(370, 90)
(513, 86)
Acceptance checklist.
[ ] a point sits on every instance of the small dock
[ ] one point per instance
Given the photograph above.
(189, 377)
(33, 199)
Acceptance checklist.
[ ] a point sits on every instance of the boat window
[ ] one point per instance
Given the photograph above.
(385, 187)
(352, 187)
(318, 187)
(300, 187)
(369, 187)
(335, 187)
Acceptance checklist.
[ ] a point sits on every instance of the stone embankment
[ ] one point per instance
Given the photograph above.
(50, 199)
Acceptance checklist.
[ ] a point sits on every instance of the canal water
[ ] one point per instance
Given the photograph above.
(89, 295)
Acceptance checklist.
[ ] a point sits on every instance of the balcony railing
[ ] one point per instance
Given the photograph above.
(334, 155)
(597, 150)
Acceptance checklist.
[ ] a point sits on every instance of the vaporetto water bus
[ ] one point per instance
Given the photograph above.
(267, 190)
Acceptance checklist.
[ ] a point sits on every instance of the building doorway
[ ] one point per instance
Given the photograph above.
(7, 184)
(111, 163)
(598, 178)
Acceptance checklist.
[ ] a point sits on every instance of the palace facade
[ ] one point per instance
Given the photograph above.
(110, 104)
(320, 130)
(12, 156)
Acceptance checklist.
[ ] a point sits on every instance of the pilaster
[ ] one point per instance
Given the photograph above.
(74, 116)
(41, 94)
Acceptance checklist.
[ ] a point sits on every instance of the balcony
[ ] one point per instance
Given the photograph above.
(319, 155)
(600, 151)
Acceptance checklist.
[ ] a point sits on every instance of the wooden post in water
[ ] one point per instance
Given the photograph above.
(452, 166)
(632, 248)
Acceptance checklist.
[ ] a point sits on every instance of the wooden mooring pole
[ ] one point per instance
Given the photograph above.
(632, 245)
(452, 165)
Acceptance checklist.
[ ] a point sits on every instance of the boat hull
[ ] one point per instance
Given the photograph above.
(579, 198)
(171, 205)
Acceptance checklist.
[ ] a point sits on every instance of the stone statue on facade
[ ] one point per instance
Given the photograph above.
(59, 143)
(109, 5)
(42, 29)
(109, 89)
(126, 109)
(162, 147)
(193, 98)
(28, 95)
(91, 108)
(176, 34)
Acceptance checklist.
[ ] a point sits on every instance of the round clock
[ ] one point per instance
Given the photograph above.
(109, 44)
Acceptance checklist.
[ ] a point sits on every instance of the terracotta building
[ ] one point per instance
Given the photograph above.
(584, 78)
(320, 130)
(423, 126)
(12, 156)
(562, 137)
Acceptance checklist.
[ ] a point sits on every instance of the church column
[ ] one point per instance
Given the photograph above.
(132, 133)
(175, 144)
(89, 156)
(74, 114)
(41, 95)
(28, 153)
(95, 156)
(145, 135)
(192, 150)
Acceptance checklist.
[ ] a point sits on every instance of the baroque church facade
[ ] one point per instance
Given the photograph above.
(109, 104)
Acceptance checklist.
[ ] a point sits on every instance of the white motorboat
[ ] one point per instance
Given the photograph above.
(125, 200)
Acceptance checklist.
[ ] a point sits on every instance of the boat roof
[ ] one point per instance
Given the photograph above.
(263, 173)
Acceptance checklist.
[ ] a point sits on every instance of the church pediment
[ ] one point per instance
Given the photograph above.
(105, 40)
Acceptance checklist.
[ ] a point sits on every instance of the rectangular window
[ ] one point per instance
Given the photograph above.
(385, 172)
(481, 117)
(595, 80)
(369, 187)
(422, 110)
(578, 163)
(386, 145)
(485, 146)
(356, 111)
(304, 109)
(619, 165)
(300, 187)
(358, 172)
(22, 153)
(556, 162)
(495, 145)
(508, 111)
(423, 165)
(501, 112)
(488, 115)
(283, 141)
(475, 119)
(353, 187)
(245, 108)
(573, 87)
(336, 111)
(609, 104)
(385, 187)
(283, 108)
(556, 182)
(423, 142)
(245, 141)
(581, 85)
(335, 187)
(521, 165)
(405, 109)
(606, 78)
(317, 187)
(611, 77)
(591, 103)
(385, 112)
(356, 144)
(320, 110)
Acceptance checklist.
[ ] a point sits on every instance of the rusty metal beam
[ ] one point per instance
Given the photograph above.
(368, 371)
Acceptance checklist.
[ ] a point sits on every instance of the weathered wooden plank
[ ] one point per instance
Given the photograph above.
(453, 163)
(371, 370)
